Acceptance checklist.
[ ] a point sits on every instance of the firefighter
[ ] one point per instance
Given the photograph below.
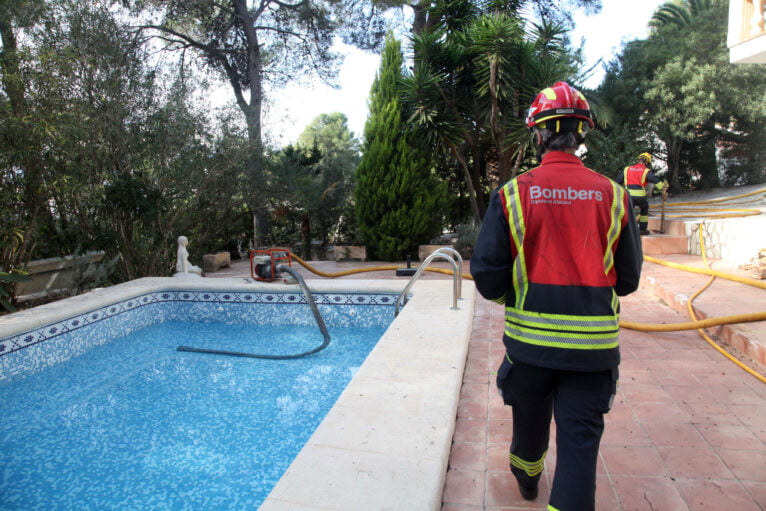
(557, 246)
(636, 178)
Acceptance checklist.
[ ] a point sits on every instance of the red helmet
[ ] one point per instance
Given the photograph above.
(556, 102)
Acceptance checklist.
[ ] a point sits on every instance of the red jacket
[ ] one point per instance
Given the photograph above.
(557, 247)
(635, 178)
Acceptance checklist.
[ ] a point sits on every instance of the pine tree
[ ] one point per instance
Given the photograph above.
(398, 198)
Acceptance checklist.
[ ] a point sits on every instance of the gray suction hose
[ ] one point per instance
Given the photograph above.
(309, 299)
(314, 310)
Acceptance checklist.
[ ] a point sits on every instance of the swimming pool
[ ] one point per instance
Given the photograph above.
(133, 423)
(386, 439)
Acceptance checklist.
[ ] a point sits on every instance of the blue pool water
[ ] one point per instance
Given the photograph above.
(135, 424)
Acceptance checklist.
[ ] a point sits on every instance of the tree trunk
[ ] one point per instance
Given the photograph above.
(252, 112)
(306, 237)
(421, 20)
(477, 213)
(476, 175)
(708, 163)
(674, 157)
(26, 153)
(9, 62)
(420, 16)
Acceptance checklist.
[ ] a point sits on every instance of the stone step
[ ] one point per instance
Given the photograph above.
(673, 240)
(674, 227)
(723, 298)
(660, 244)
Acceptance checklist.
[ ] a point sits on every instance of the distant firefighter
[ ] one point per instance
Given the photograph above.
(636, 178)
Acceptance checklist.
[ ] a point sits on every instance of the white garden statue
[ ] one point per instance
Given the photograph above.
(183, 266)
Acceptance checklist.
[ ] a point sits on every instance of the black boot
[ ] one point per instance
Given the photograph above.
(527, 493)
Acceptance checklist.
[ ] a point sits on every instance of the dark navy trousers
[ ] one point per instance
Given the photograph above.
(643, 215)
(578, 401)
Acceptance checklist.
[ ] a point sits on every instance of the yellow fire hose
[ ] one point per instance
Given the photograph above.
(392, 267)
(684, 211)
(698, 324)
(732, 213)
(695, 324)
(693, 315)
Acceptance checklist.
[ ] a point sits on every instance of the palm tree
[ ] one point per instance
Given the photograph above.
(472, 83)
(680, 13)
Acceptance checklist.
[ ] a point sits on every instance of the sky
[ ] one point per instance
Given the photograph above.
(619, 21)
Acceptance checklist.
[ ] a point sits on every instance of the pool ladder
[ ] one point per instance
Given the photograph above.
(449, 254)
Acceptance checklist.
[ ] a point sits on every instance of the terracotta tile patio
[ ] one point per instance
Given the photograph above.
(687, 431)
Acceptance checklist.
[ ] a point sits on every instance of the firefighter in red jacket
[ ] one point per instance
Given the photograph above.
(636, 178)
(557, 247)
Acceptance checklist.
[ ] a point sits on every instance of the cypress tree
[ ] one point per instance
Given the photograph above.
(398, 199)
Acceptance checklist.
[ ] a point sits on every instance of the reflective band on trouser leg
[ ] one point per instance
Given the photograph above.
(531, 468)
(561, 330)
(643, 218)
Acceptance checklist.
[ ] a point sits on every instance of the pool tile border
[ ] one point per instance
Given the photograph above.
(21, 340)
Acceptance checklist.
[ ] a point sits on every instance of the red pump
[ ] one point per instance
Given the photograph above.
(263, 263)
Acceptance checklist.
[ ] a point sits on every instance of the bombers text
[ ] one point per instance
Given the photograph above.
(563, 194)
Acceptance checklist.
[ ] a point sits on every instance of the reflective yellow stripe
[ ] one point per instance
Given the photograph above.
(563, 341)
(569, 343)
(562, 321)
(562, 331)
(516, 222)
(617, 214)
(551, 508)
(531, 468)
(611, 235)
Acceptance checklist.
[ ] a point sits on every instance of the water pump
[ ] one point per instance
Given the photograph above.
(264, 265)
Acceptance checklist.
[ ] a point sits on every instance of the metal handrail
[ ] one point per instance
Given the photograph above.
(459, 280)
(455, 285)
